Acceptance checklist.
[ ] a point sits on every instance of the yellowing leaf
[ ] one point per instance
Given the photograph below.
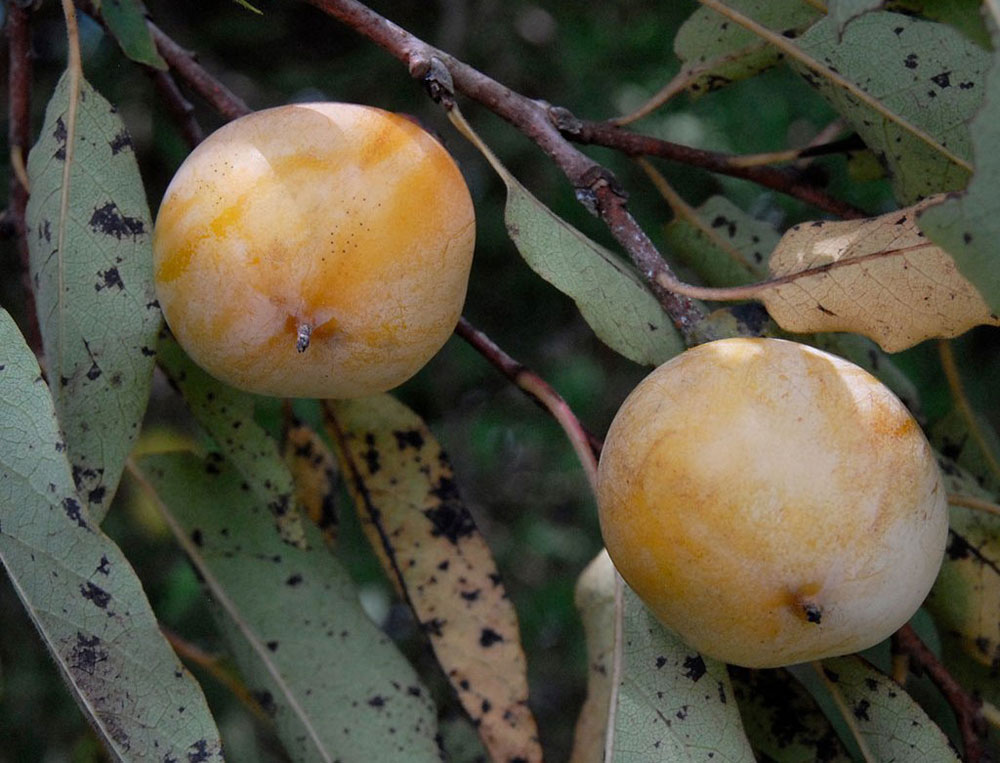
(314, 470)
(595, 600)
(879, 277)
(404, 489)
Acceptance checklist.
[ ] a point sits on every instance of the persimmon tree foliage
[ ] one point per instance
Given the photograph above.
(870, 232)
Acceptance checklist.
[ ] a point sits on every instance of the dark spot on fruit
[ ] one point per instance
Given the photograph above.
(488, 637)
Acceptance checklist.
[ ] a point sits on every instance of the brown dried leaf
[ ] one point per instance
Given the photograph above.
(409, 506)
(880, 277)
(314, 470)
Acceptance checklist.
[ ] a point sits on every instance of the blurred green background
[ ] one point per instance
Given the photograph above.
(517, 473)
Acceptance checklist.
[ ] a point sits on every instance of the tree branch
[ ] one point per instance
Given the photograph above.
(966, 707)
(586, 445)
(594, 185)
(785, 180)
(179, 106)
(19, 74)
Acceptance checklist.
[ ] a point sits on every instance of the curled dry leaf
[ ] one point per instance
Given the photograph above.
(880, 277)
(404, 489)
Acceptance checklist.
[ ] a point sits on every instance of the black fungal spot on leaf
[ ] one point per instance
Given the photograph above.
(694, 667)
(86, 654)
(370, 454)
(294, 580)
(451, 519)
(95, 594)
(199, 752)
(488, 637)
(942, 80)
(861, 710)
(109, 279)
(72, 508)
(94, 372)
(196, 537)
(109, 221)
(121, 142)
(272, 645)
(660, 661)
(60, 135)
(410, 438)
(377, 701)
(104, 567)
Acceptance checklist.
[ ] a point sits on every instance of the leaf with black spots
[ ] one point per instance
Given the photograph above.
(79, 590)
(782, 720)
(968, 224)
(672, 703)
(410, 508)
(887, 721)
(965, 599)
(335, 685)
(227, 415)
(91, 263)
(314, 471)
(716, 52)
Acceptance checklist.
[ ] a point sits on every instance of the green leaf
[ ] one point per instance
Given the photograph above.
(610, 295)
(336, 686)
(673, 704)
(968, 226)
(978, 453)
(725, 246)
(889, 724)
(925, 77)
(91, 262)
(964, 15)
(227, 416)
(615, 303)
(782, 720)
(716, 52)
(965, 598)
(126, 20)
(80, 591)
(845, 11)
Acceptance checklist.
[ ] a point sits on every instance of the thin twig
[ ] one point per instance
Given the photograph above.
(179, 106)
(213, 665)
(593, 184)
(19, 74)
(966, 707)
(974, 503)
(586, 445)
(786, 180)
(183, 62)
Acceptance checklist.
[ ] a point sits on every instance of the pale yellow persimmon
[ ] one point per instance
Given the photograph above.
(771, 503)
(315, 250)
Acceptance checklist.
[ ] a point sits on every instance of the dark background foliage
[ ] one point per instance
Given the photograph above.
(516, 471)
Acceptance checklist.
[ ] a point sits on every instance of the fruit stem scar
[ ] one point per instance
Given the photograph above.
(302, 336)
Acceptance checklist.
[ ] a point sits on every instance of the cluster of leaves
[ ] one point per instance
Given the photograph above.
(251, 507)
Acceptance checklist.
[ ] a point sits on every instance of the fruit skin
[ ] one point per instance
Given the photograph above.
(771, 503)
(347, 220)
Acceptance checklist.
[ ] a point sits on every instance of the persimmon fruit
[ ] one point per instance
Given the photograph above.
(771, 503)
(315, 250)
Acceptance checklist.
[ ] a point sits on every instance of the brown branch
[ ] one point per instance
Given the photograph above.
(179, 106)
(19, 74)
(966, 707)
(595, 186)
(183, 62)
(785, 180)
(587, 446)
